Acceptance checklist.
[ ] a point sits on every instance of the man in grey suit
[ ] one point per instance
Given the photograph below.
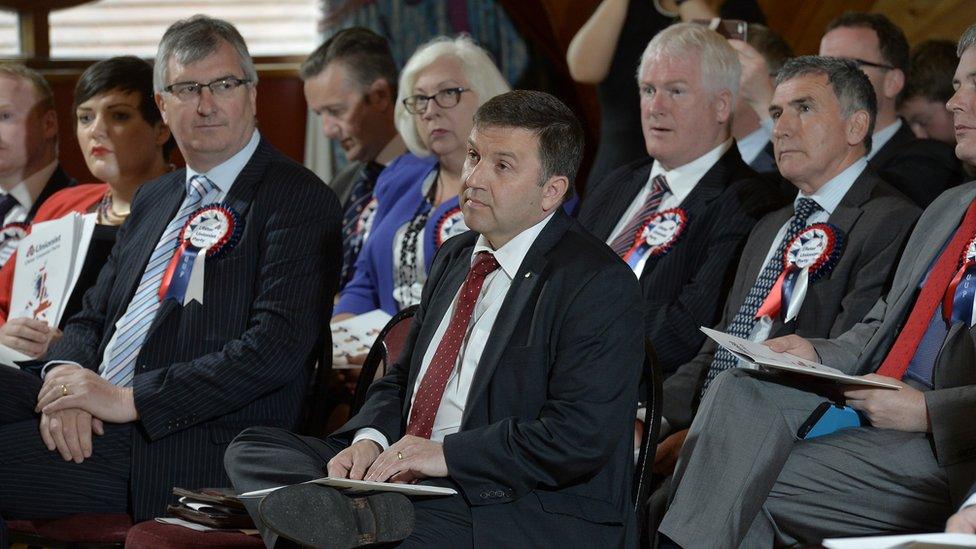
(351, 83)
(826, 162)
(910, 465)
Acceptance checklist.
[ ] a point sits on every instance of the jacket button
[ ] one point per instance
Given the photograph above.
(484, 495)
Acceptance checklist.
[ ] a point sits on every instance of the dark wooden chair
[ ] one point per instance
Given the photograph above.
(651, 385)
(387, 347)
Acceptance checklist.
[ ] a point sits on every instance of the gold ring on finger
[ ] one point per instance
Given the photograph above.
(64, 389)
(400, 455)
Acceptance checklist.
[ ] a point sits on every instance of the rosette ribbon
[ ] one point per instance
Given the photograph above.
(211, 231)
(658, 235)
(957, 305)
(810, 256)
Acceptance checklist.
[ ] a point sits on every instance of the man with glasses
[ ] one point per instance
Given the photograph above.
(351, 84)
(202, 323)
(920, 168)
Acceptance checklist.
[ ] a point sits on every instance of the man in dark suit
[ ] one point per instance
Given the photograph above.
(688, 79)
(920, 168)
(351, 84)
(516, 388)
(824, 157)
(168, 364)
(29, 168)
(912, 460)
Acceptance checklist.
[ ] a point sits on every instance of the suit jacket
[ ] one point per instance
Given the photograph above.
(875, 220)
(862, 349)
(920, 168)
(685, 288)
(547, 430)
(58, 180)
(207, 371)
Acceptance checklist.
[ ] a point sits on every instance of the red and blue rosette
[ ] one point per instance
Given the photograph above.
(810, 256)
(658, 235)
(211, 231)
(451, 223)
(957, 305)
(11, 233)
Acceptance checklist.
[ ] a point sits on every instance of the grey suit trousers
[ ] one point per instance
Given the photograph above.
(751, 483)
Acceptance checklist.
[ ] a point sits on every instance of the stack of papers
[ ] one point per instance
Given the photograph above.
(758, 353)
(49, 262)
(914, 541)
(350, 485)
(354, 336)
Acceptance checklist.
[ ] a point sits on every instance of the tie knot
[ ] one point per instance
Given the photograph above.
(805, 207)
(660, 184)
(484, 264)
(200, 185)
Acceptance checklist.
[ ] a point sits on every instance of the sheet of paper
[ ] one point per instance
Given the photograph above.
(354, 336)
(761, 354)
(10, 357)
(44, 265)
(202, 528)
(365, 486)
(84, 228)
(913, 541)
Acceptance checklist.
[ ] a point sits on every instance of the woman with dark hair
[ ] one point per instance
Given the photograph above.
(125, 144)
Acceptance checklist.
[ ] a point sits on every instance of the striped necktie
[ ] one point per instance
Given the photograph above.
(625, 239)
(745, 319)
(132, 327)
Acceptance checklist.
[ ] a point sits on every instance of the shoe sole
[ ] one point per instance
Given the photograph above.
(322, 517)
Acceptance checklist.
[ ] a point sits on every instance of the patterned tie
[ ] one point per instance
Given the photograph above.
(625, 240)
(7, 203)
(132, 327)
(745, 319)
(929, 298)
(428, 399)
(352, 235)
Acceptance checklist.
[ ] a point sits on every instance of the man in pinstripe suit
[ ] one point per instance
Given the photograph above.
(162, 381)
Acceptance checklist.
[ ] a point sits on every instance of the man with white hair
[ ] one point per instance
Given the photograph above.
(679, 218)
(910, 461)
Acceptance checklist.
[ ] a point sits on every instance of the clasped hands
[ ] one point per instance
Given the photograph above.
(408, 460)
(73, 403)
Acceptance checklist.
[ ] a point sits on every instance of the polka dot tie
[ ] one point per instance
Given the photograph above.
(428, 399)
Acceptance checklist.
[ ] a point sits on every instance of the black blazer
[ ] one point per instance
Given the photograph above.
(685, 288)
(58, 180)
(920, 168)
(875, 219)
(206, 372)
(547, 431)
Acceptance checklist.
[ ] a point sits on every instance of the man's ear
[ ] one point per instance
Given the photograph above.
(893, 83)
(553, 192)
(380, 94)
(49, 123)
(724, 106)
(857, 127)
(161, 105)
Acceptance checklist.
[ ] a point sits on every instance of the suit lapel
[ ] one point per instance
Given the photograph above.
(530, 275)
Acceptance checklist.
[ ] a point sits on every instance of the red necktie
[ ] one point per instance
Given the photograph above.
(428, 399)
(896, 363)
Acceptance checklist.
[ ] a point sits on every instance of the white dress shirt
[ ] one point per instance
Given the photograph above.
(222, 176)
(26, 193)
(493, 292)
(681, 181)
(828, 197)
(881, 137)
(751, 145)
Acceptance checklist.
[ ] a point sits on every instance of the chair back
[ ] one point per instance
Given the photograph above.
(388, 346)
(652, 381)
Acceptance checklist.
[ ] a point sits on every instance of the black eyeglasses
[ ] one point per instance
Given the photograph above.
(864, 63)
(221, 87)
(445, 99)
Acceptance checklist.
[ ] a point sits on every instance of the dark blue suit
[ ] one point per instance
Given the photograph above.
(205, 372)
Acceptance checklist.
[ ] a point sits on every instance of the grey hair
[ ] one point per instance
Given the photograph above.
(719, 64)
(967, 40)
(484, 78)
(851, 86)
(193, 39)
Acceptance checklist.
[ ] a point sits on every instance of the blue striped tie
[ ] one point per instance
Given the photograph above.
(745, 319)
(132, 327)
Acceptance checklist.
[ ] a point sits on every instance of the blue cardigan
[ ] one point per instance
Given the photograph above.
(398, 196)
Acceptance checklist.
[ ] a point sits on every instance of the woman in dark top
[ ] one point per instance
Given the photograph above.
(607, 50)
(125, 143)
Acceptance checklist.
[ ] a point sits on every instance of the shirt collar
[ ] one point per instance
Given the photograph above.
(751, 145)
(511, 255)
(832, 192)
(224, 174)
(881, 137)
(682, 180)
(27, 191)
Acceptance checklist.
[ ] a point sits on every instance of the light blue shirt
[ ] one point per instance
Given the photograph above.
(881, 137)
(751, 145)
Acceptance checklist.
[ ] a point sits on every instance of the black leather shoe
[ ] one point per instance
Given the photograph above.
(319, 516)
